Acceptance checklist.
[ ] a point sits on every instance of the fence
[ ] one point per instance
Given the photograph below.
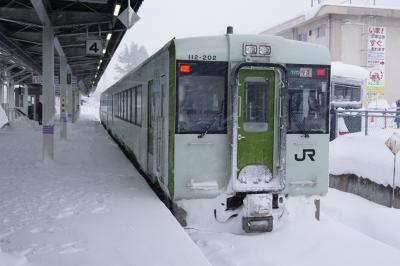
(370, 118)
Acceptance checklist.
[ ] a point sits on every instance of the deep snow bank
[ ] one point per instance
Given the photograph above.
(364, 156)
(12, 259)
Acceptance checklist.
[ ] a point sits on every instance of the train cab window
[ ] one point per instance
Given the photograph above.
(201, 97)
(256, 104)
(308, 94)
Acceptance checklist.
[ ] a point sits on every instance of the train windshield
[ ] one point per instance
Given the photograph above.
(201, 97)
(308, 93)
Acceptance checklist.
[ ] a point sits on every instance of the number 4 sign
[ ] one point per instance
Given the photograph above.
(94, 47)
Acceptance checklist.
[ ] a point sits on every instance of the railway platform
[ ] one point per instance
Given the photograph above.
(89, 206)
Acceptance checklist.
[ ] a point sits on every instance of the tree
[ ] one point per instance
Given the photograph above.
(129, 58)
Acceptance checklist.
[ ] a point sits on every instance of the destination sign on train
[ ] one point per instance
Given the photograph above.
(307, 72)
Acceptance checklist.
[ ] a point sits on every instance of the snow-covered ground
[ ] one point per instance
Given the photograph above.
(87, 207)
(365, 156)
(352, 231)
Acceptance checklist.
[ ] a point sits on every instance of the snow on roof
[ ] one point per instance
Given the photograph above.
(340, 69)
(315, 11)
(312, 12)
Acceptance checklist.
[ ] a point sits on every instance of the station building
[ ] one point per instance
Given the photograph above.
(366, 36)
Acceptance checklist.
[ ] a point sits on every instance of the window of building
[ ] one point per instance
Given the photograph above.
(321, 31)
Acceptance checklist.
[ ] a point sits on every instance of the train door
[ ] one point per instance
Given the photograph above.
(255, 134)
(151, 125)
(159, 150)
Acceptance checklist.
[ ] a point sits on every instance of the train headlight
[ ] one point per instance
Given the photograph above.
(264, 50)
(250, 49)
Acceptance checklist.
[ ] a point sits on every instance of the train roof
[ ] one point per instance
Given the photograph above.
(283, 51)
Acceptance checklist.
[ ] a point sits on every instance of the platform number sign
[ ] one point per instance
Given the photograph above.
(94, 47)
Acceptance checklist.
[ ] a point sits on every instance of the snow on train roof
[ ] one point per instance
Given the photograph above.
(283, 51)
(339, 69)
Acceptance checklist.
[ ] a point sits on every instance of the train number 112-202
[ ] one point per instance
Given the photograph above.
(203, 57)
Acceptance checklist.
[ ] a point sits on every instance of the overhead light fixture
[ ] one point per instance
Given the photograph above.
(98, 67)
(101, 61)
(104, 50)
(109, 36)
(116, 9)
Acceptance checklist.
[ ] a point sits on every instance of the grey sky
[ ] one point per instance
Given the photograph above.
(161, 20)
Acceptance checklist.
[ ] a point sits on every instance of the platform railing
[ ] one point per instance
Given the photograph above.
(371, 118)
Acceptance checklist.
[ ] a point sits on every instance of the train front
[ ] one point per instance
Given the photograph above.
(279, 127)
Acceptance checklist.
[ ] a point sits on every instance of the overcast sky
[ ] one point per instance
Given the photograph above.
(161, 20)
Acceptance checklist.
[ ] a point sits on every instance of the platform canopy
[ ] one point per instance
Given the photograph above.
(87, 33)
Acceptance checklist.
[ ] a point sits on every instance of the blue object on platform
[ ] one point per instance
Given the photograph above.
(48, 129)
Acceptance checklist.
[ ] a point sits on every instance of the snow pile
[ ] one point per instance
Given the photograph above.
(365, 156)
(376, 221)
(340, 69)
(302, 241)
(12, 260)
(3, 117)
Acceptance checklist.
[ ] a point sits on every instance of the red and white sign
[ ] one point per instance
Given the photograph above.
(376, 56)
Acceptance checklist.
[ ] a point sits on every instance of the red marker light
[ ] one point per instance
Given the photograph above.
(184, 68)
(321, 72)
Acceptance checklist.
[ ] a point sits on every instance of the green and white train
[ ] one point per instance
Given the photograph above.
(239, 118)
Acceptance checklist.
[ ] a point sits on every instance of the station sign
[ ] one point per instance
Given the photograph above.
(376, 49)
(94, 47)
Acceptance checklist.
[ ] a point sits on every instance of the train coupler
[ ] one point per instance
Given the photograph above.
(257, 213)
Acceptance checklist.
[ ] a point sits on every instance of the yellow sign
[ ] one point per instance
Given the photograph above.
(373, 94)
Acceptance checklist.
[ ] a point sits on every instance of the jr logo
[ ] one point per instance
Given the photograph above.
(309, 152)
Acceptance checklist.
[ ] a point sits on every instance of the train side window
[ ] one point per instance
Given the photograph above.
(128, 105)
(150, 116)
(256, 105)
(134, 105)
(126, 117)
(139, 105)
(119, 105)
(122, 105)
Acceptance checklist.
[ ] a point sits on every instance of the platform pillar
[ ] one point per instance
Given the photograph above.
(11, 99)
(63, 97)
(70, 103)
(1, 89)
(48, 92)
(25, 100)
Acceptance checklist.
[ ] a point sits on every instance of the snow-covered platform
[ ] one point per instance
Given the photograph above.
(87, 207)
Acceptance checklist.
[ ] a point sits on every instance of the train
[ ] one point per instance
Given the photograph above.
(241, 119)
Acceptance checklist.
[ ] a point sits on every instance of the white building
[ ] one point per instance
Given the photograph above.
(346, 30)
